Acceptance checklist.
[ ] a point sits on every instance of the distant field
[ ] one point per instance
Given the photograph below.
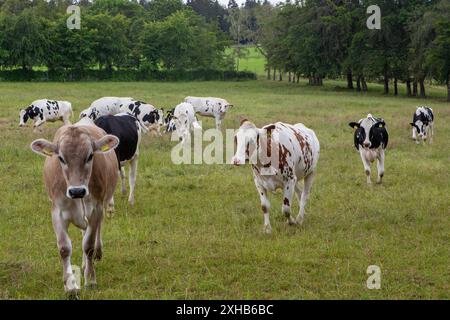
(196, 230)
(254, 61)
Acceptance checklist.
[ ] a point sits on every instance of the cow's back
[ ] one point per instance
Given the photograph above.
(126, 129)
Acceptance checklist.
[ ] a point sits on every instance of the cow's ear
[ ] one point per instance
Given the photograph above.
(412, 124)
(354, 125)
(106, 144)
(44, 147)
(381, 124)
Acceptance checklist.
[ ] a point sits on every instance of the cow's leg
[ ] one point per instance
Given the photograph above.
(380, 165)
(308, 181)
(265, 206)
(37, 124)
(66, 119)
(110, 208)
(89, 240)
(98, 254)
(287, 200)
(298, 194)
(132, 178)
(430, 132)
(414, 134)
(218, 122)
(123, 179)
(366, 164)
(65, 251)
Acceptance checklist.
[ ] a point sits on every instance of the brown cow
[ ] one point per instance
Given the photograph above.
(80, 175)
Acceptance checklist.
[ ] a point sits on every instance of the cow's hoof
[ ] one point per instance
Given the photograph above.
(98, 254)
(292, 222)
(73, 294)
(124, 192)
(267, 229)
(91, 286)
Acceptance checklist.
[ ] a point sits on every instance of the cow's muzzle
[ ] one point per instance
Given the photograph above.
(366, 144)
(77, 192)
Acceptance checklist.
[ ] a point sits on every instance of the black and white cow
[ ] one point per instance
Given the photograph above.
(422, 124)
(151, 118)
(128, 130)
(105, 106)
(46, 110)
(371, 139)
(282, 155)
(210, 107)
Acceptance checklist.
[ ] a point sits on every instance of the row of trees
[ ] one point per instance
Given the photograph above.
(114, 34)
(329, 38)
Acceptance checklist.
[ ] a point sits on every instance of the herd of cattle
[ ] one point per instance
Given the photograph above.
(81, 172)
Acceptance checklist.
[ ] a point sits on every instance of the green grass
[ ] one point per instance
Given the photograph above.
(196, 230)
(253, 61)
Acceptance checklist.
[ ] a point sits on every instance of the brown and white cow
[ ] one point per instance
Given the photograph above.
(80, 176)
(281, 156)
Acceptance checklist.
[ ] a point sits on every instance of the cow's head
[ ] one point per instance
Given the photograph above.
(365, 131)
(182, 126)
(23, 117)
(160, 119)
(421, 125)
(224, 106)
(84, 113)
(246, 143)
(76, 152)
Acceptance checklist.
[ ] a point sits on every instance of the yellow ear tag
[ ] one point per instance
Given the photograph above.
(47, 152)
(105, 148)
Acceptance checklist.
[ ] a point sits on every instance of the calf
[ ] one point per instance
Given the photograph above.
(281, 155)
(423, 124)
(150, 118)
(105, 106)
(185, 121)
(128, 130)
(371, 138)
(80, 175)
(210, 107)
(46, 110)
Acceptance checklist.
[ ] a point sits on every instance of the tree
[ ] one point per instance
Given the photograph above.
(25, 39)
(438, 55)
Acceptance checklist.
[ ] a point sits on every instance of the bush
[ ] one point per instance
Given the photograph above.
(144, 74)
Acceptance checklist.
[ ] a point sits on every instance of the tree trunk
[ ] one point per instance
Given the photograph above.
(289, 76)
(268, 73)
(280, 75)
(274, 73)
(358, 84)
(422, 88)
(448, 86)
(395, 87)
(386, 82)
(408, 88)
(349, 80)
(298, 77)
(364, 84)
(415, 88)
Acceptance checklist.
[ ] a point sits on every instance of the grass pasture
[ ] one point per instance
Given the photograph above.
(196, 230)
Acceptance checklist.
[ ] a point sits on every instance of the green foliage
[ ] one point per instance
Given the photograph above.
(114, 34)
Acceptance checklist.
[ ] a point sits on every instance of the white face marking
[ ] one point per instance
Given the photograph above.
(367, 124)
(244, 138)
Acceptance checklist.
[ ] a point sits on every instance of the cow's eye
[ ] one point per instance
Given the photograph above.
(61, 160)
(90, 157)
